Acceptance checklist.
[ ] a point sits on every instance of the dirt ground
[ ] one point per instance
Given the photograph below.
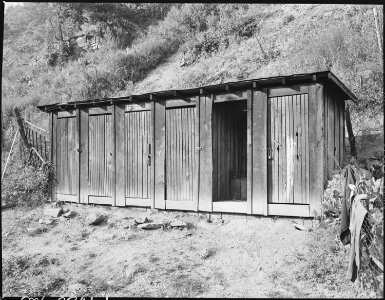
(236, 257)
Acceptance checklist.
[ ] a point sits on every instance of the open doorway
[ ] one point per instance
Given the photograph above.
(230, 151)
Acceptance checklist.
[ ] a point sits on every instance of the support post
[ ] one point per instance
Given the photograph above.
(20, 124)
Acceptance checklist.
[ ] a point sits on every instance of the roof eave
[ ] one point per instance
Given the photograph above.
(337, 82)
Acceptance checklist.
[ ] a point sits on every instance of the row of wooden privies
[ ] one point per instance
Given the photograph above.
(258, 147)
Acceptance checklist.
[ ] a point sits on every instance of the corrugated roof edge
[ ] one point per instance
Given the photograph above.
(250, 83)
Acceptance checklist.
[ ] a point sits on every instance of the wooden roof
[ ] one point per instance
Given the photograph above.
(325, 76)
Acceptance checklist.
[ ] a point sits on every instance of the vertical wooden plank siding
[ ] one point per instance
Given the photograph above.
(180, 151)
(259, 139)
(287, 119)
(196, 142)
(84, 155)
(326, 136)
(137, 142)
(330, 136)
(67, 156)
(159, 116)
(101, 156)
(307, 151)
(316, 145)
(113, 158)
(303, 139)
(120, 183)
(151, 141)
(250, 159)
(53, 148)
(283, 146)
(336, 132)
(206, 162)
(77, 153)
(341, 130)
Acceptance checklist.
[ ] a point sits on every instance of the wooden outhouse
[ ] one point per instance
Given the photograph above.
(259, 146)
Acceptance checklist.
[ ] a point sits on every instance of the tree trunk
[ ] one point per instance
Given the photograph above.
(352, 139)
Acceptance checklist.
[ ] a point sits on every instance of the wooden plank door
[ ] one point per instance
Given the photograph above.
(101, 153)
(180, 158)
(288, 157)
(67, 156)
(137, 158)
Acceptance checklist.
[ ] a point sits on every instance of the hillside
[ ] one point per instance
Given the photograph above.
(216, 43)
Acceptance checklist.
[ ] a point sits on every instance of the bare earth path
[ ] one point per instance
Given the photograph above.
(259, 257)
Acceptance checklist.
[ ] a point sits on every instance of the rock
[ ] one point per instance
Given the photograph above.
(126, 236)
(178, 223)
(47, 221)
(205, 253)
(141, 220)
(301, 227)
(132, 270)
(69, 214)
(289, 259)
(65, 210)
(37, 230)
(218, 221)
(53, 211)
(95, 219)
(128, 223)
(150, 226)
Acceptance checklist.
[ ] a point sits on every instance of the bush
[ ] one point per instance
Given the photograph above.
(332, 197)
(25, 185)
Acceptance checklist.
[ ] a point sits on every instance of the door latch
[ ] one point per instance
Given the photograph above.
(149, 155)
(199, 148)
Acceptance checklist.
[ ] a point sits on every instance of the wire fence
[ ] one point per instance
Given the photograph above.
(371, 273)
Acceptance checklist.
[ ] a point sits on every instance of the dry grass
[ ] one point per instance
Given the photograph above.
(240, 258)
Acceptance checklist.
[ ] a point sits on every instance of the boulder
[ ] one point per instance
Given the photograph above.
(149, 226)
(53, 212)
(301, 227)
(141, 220)
(47, 221)
(178, 223)
(69, 214)
(37, 230)
(95, 219)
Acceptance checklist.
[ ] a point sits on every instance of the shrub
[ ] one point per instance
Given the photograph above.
(25, 185)
(332, 197)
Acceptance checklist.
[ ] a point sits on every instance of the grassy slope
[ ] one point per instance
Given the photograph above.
(286, 35)
(244, 60)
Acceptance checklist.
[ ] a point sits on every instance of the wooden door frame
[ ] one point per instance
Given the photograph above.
(290, 209)
(241, 207)
(55, 117)
(84, 153)
(159, 153)
(122, 110)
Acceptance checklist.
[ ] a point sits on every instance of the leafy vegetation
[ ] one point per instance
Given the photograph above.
(25, 185)
(218, 42)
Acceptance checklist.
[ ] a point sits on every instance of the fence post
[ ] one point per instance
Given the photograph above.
(19, 120)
